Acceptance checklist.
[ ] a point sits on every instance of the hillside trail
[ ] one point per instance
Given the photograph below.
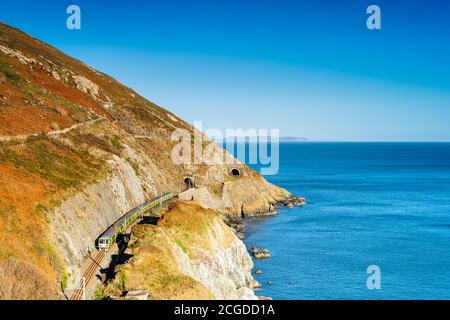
(51, 134)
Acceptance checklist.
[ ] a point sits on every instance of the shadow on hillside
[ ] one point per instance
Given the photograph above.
(122, 243)
(116, 259)
(149, 220)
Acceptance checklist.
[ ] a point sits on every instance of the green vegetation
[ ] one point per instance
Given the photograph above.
(53, 161)
(115, 140)
(64, 102)
(122, 277)
(64, 279)
(44, 248)
(181, 245)
(33, 90)
(9, 215)
(94, 141)
(10, 75)
(135, 166)
(100, 293)
(6, 209)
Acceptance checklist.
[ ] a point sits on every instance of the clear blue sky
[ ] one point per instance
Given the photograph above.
(310, 68)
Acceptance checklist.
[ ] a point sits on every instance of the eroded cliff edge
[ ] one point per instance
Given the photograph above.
(77, 151)
(189, 254)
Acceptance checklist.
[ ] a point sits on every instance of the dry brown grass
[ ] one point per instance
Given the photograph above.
(187, 224)
(22, 226)
(34, 177)
(158, 273)
(20, 280)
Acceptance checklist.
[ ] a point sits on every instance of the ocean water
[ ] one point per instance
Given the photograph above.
(384, 204)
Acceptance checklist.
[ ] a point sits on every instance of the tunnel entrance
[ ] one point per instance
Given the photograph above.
(189, 183)
(235, 172)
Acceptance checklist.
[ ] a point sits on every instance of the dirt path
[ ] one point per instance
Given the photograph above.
(51, 134)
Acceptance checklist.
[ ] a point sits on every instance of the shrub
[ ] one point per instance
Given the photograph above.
(116, 143)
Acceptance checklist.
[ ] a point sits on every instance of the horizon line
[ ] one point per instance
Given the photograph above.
(345, 141)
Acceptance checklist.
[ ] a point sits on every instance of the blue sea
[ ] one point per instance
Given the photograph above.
(383, 204)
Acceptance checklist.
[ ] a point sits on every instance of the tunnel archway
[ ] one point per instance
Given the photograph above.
(189, 183)
(235, 172)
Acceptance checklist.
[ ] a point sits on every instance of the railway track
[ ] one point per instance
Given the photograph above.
(79, 292)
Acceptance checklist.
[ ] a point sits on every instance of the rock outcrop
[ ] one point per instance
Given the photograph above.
(79, 220)
(191, 247)
(260, 253)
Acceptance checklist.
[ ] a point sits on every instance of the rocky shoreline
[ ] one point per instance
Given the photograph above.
(191, 263)
(237, 225)
(236, 222)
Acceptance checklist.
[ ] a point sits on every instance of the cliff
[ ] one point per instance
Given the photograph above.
(189, 254)
(77, 151)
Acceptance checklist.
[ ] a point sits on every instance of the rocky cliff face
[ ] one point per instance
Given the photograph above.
(78, 150)
(76, 224)
(190, 247)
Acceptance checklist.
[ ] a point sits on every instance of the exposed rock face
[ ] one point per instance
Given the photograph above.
(250, 195)
(78, 222)
(198, 250)
(225, 269)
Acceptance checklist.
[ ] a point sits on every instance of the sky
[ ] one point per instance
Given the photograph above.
(309, 68)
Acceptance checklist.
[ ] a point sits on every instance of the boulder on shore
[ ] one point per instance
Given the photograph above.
(295, 201)
(260, 253)
(253, 284)
(299, 201)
